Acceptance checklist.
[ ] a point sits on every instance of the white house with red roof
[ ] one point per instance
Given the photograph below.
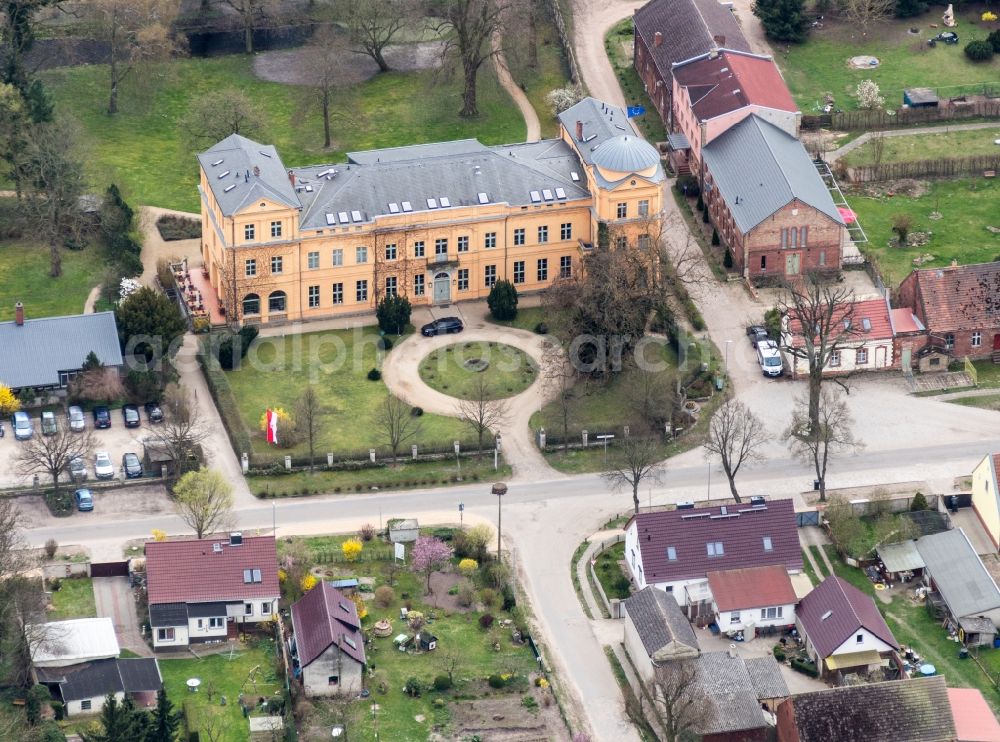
(869, 347)
(327, 642)
(675, 550)
(205, 590)
(753, 598)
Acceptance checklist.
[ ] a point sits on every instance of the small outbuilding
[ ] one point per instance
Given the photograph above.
(266, 728)
(404, 531)
(656, 630)
(920, 98)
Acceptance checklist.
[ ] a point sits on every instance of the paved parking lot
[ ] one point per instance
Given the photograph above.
(120, 503)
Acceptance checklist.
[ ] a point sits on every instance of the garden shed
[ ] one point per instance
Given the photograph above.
(426, 642)
(266, 728)
(920, 98)
(404, 531)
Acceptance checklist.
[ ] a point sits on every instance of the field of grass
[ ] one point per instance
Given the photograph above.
(227, 677)
(966, 206)
(930, 146)
(609, 572)
(509, 371)
(277, 370)
(24, 276)
(411, 475)
(145, 150)
(987, 374)
(526, 319)
(618, 44)
(820, 65)
(73, 599)
(551, 73)
(986, 402)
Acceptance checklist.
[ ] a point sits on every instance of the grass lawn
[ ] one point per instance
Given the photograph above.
(526, 319)
(277, 370)
(551, 73)
(986, 402)
(930, 146)
(454, 370)
(967, 207)
(609, 572)
(144, 149)
(810, 572)
(24, 276)
(228, 677)
(459, 636)
(820, 65)
(73, 599)
(987, 373)
(618, 44)
(413, 474)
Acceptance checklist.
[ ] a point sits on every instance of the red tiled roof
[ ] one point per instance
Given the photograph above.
(732, 81)
(849, 609)
(756, 587)
(876, 311)
(740, 529)
(325, 616)
(974, 720)
(904, 320)
(193, 572)
(964, 297)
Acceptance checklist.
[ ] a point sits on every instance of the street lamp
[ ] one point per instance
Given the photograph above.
(499, 489)
(728, 343)
(605, 438)
(496, 453)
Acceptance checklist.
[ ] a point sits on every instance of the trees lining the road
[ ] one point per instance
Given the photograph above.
(637, 460)
(816, 443)
(204, 501)
(735, 435)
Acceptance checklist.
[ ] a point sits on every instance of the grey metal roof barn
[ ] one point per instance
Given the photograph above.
(758, 169)
(35, 352)
(959, 573)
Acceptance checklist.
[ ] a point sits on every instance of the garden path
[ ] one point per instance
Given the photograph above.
(92, 297)
(832, 157)
(534, 128)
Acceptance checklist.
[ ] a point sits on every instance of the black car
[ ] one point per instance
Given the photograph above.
(102, 417)
(153, 412)
(756, 333)
(443, 326)
(131, 466)
(130, 414)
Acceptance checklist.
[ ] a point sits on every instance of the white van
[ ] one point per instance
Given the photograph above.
(769, 358)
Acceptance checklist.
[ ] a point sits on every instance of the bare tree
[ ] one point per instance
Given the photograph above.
(372, 24)
(395, 420)
(559, 379)
(638, 459)
(481, 411)
(234, 283)
(681, 703)
(20, 598)
(877, 144)
(815, 443)
(182, 431)
(204, 501)
(469, 26)
(322, 68)
(252, 15)
(309, 415)
(134, 31)
(820, 323)
(213, 117)
(865, 13)
(652, 398)
(735, 435)
(51, 455)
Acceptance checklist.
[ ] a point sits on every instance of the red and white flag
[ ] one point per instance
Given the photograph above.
(272, 427)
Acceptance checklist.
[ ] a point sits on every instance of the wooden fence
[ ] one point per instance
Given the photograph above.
(946, 167)
(876, 120)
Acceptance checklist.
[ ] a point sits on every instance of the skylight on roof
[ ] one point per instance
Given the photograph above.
(350, 642)
(355, 215)
(309, 189)
(343, 607)
(575, 176)
(546, 194)
(266, 154)
(393, 208)
(768, 546)
(407, 206)
(224, 174)
(671, 554)
(484, 198)
(715, 548)
(331, 220)
(867, 324)
(590, 138)
(228, 188)
(445, 202)
(432, 203)
(826, 615)
(535, 197)
(342, 215)
(560, 193)
(218, 162)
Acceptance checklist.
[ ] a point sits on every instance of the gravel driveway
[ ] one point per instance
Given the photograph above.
(114, 600)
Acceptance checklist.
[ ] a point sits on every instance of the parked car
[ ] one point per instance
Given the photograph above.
(84, 500)
(756, 333)
(131, 466)
(102, 417)
(130, 414)
(49, 426)
(769, 358)
(443, 326)
(77, 422)
(103, 468)
(153, 412)
(77, 469)
(21, 424)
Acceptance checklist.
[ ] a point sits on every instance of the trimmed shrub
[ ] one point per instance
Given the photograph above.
(496, 681)
(994, 41)
(979, 50)
(806, 667)
(502, 301)
(374, 375)
(715, 239)
(384, 343)
(414, 687)
(541, 329)
(485, 621)
(442, 683)
(919, 502)
(416, 411)
(701, 203)
(779, 653)
(384, 596)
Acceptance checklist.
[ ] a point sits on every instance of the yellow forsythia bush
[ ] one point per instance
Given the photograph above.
(989, 16)
(9, 403)
(284, 420)
(351, 548)
(159, 535)
(360, 603)
(468, 566)
(308, 583)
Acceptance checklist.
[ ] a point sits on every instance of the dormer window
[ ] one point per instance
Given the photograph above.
(715, 548)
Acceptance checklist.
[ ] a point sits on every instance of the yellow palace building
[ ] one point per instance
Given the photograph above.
(438, 223)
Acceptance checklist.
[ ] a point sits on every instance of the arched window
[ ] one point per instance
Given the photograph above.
(251, 304)
(276, 301)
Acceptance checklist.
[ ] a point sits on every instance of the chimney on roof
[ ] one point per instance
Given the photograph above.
(291, 178)
(657, 38)
(256, 171)
(579, 131)
(19, 314)
(732, 651)
(720, 40)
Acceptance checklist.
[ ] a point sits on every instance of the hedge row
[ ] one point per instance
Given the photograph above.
(225, 402)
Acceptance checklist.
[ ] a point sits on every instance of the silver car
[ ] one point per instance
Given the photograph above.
(78, 469)
(103, 468)
(77, 422)
(21, 423)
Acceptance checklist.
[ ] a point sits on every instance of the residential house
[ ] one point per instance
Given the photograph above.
(959, 305)
(974, 719)
(954, 570)
(73, 642)
(205, 590)
(915, 710)
(986, 497)
(843, 629)
(868, 346)
(674, 550)
(48, 352)
(328, 642)
(753, 599)
(83, 688)
(438, 222)
(769, 204)
(740, 696)
(656, 631)
(670, 32)
(714, 91)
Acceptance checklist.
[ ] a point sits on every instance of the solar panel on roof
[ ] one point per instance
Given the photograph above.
(535, 198)
(228, 188)
(356, 215)
(331, 219)
(484, 198)
(575, 176)
(546, 194)
(393, 208)
(342, 215)
(445, 202)
(432, 203)
(407, 206)
(560, 193)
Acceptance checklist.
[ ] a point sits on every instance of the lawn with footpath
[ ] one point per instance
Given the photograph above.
(820, 65)
(939, 144)
(24, 276)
